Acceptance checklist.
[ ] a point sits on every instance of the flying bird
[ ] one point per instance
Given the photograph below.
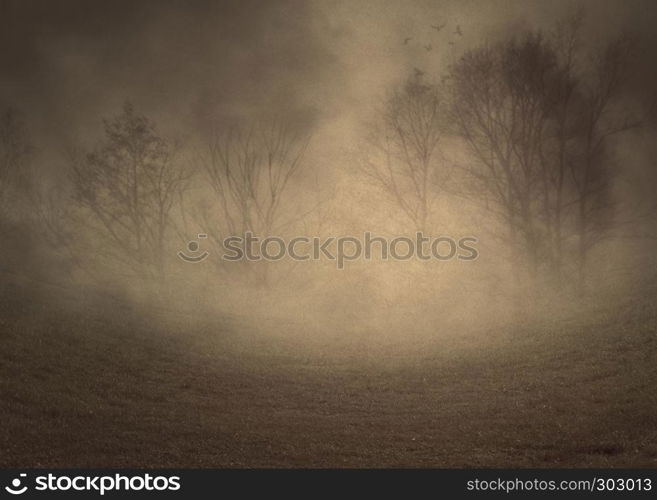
(406, 40)
(438, 27)
(428, 47)
(458, 30)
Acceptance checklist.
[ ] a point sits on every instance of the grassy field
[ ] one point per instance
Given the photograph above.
(81, 388)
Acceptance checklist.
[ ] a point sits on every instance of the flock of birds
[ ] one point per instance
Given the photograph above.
(438, 28)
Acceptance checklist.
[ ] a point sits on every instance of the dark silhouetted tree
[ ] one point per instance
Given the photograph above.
(538, 119)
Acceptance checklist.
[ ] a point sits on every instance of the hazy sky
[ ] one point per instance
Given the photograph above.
(192, 64)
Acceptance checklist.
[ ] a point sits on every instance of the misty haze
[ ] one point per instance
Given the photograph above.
(328, 233)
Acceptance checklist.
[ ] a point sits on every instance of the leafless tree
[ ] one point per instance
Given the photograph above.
(15, 234)
(250, 170)
(603, 116)
(557, 141)
(539, 118)
(15, 152)
(501, 112)
(403, 158)
(128, 188)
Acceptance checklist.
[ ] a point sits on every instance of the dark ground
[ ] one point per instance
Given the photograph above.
(85, 389)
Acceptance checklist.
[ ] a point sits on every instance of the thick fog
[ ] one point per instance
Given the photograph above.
(331, 91)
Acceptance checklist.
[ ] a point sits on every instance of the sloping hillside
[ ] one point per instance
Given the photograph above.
(84, 388)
